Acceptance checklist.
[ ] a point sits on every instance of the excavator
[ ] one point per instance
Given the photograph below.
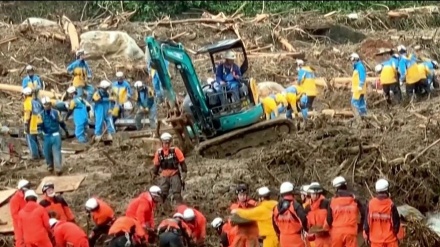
(213, 130)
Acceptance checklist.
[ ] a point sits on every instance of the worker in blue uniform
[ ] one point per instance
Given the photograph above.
(409, 72)
(49, 127)
(432, 66)
(144, 97)
(82, 74)
(102, 111)
(121, 93)
(156, 81)
(32, 108)
(32, 80)
(358, 85)
(78, 107)
(227, 78)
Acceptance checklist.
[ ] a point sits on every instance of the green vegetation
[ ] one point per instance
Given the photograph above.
(151, 10)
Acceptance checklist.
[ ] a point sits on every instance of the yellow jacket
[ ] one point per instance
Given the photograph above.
(28, 117)
(388, 75)
(269, 106)
(359, 77)
(423, 70)
(262, 214)
(306, 78)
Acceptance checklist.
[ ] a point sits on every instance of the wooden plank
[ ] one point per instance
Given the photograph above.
(70, 30)
(5, 195)
(6, 225)
(63, 183)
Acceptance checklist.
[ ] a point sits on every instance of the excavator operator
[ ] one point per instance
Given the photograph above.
(243, 199)
(227, 77)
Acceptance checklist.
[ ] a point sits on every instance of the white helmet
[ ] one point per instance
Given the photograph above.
(401, 48)
(286, 187)
(45, 100)
(79, 52)
(304, 189)
(22, 183)
(382, 185)
(314, 187)
(26, 91)
(230, 55)
(91, 204)
(155, 190)
(104, 84)
(338, 181)
(138, 84)
(30, 193)
(217, 222)
(189, 214)
(52, 222)
(29, 67)
(378, 68)
(299, 62)
(435, 63)
(71, 89)
(396, 55)
(178, 215)
(128, 106)
(119, 74)
(166, 137)
(263, 191)
(354, 56)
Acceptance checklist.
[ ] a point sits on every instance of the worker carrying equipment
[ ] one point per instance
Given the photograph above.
(289, 218)
(55, 204)
(32, 81)
(243, 199)
(172, 233)
(317, 216)
(144, 97)
(382, 223)
(102, 215)
(101, 98)
(343, 214)
(170, 163)
(78, 107)
(68, 234)
(121, 92)
(82, 74)
(196, 221)
(32, 108)
(358, 86)
(126, 232)
(16, 204)
(306, 80)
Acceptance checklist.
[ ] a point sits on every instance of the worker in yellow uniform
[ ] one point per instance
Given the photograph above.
(409, 72)
(121, 92)
(358, 86)
(297, 101)
(425, 72)
(32, 108)
(262, 214)
(82, 74)
(273, 105)
(306, 79)
(389, 79)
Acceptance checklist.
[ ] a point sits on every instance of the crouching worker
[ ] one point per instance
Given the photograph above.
(273, 105)
(225, 230)
(144, 97)
(102, 111)
(102, 215)
(297, 102)
(126, 232)
(55, 204)
(68, 234)
(173, 232)
(78, 107)
(32, 107)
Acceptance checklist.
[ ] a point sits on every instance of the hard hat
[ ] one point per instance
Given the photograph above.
(314, 187)
(52, 222)
(27, 91)
(396, 55)
(30, 193)
(378, 68)
(178, 215)
(104, 84)
(29, 67)
(338, 181)
(47, 185)
(155, 190)
(354, 56)
(263, 191)
(128, 106)
(435, 63)
(382, 185)
(71, 89)
(241, 188)
(217, 222)
(188, 214)
(230, 55)
(45, 100)
(299, 62)
(286, 187)
(210, 80)
(79, 52)
(22, 183)
(91, 204)
(304, 189)
(138, 84)
(119, 74)
(166, 137)
(401, 48)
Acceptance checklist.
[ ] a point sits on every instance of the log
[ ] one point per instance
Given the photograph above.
(187, 21)
(332, 113)
(70, 30)
(339, 82)
(295, 55)
(284, 42)
(18, 89)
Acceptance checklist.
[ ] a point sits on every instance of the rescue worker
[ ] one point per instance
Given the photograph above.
(172, 234)
(262, 214)
(317, 215)
(432, 66)
(270, 107)
(102, 111)
(289, 218)
(306, 79)
(142, 208)
(305, 197)
(388, 79)
(424, 86)
(121, 92)
(49, 125)
(102, 215)
(32, 81)
(196, 222)
(358, 86)
(243, 199)
(228, 75)
(156, 81)
(170, 163)
(33, 223)
(55, 204)
(225, 231)
(17, 203)
(32, 107)
(342, 215)
(126, 232)
(382, 222)
(78, 107)
(144, 97)
(297, 101)
(409, 72)
(82, 74)
(68, 234)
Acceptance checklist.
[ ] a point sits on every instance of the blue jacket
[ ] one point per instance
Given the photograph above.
(50, 122)
(34, 82)
(145, 98)
(431, 69)
(362, 73)
(101, 96)
(82, 64)
(222, 72)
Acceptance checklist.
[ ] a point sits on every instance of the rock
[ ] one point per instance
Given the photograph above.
(410, 213)
(39, 22)
(269, 87)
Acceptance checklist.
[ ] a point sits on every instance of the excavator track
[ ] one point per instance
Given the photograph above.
(253, 136)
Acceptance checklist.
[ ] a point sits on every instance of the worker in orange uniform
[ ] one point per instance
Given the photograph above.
(262, 214)
(196, 221)
(33, 223)
(55, 204)
(289, 218)
(317, 216)
(305, 197)
(225, 230)
(342, 215)
(126, 232)
(102, 215)
(142, 209)
(243, 199)
(382, 223)
(68, 234)
(172, 233)
(170, 162)
(16, 203)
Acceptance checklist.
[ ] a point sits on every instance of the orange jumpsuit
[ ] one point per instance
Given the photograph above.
(382, 222)
(342, 218)
(228, 234)
(316, 217)
(142, 209)
(179, 228)
(16, 203)
(198, 226)
(246, 235)
(33, 225)
(247, 204)
(289, 220)
(103, 217)
(69, 234)
(124, 225)
(58, 205)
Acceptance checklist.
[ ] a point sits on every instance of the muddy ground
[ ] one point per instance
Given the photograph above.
(392, 143)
